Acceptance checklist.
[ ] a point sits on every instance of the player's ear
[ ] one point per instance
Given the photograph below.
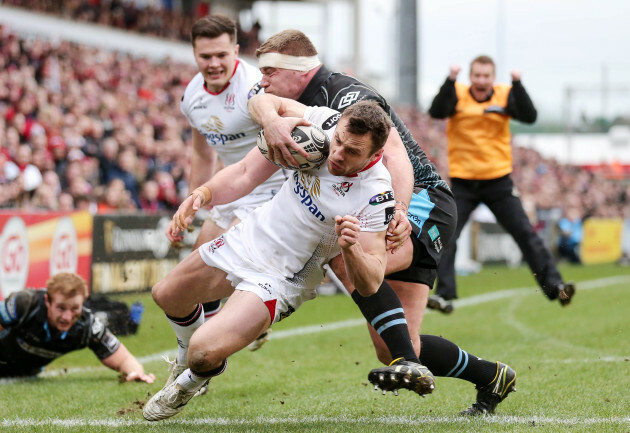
(377, 155)
(236, 48)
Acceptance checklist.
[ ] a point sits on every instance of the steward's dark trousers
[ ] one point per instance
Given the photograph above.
(501, 196)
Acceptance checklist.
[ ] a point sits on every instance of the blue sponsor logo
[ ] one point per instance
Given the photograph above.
(434, 233)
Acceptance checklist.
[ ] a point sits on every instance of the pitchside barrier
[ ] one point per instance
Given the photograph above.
(129, 252)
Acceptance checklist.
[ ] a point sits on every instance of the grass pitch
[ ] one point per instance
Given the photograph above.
(573, 367)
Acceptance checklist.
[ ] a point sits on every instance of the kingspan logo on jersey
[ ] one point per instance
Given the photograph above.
(212, 131)
(307, 187)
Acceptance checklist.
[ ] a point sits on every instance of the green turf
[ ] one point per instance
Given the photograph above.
(573, 368)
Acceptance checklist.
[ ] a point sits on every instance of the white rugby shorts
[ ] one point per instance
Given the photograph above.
(279, 296)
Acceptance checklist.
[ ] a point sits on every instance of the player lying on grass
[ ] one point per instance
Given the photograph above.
(272, 262)
(38, 326)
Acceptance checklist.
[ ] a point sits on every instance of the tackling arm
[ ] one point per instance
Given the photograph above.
(278, 117)
(229, 184)
(399, 166)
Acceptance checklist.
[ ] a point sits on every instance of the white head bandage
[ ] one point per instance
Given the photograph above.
(285, 61)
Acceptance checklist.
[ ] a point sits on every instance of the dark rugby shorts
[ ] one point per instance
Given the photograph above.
(433, 217)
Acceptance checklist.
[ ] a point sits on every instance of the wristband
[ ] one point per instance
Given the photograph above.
(204, 191)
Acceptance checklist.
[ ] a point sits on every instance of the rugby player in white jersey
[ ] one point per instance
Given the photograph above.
(215, 105)
(271, 263)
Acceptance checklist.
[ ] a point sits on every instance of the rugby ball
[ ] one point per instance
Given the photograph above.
(311, 138)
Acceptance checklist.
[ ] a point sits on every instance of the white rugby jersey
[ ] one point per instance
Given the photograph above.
(293, 235)
(222, 118)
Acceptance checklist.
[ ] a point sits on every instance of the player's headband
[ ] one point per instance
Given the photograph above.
(285, 61)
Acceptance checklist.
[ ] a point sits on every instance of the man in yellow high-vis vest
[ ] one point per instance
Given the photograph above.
(480, 164)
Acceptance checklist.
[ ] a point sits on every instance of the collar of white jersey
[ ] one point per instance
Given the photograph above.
(367, 167)
(285, 61)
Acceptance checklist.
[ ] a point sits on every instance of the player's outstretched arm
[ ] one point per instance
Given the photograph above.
(123, 361)
(278, 117)
(231, 183)
(363, 253)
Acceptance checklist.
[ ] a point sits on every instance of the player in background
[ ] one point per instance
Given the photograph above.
(272, 262)
(215, 105)
(291, 69)
(480, 164)
(38, 326)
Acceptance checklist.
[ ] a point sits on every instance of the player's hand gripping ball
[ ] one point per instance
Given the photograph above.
(311, 138)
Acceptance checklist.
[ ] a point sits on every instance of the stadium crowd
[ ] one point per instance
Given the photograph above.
(157, 18)
(82, 128)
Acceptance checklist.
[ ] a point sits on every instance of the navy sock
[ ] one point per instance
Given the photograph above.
(446, 359)
(384, 312)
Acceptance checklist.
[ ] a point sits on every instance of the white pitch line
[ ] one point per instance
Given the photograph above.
(333, 326)
(265, 421)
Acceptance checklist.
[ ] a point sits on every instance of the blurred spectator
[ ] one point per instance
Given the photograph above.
(115, 197)
(66, 202)
(50, 178)
(124, 170)
(59, 151)
(149, 197)
(44, 198)
(167, 191)
(87, 203)
(31, 176)
(107, 159)
(570, 235)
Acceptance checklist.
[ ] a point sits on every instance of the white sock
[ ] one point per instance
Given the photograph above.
(189, 380)
(183, 332)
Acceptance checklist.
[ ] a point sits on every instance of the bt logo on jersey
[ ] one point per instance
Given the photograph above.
(382, 198)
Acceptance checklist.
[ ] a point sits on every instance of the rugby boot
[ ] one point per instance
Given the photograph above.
(169, 401)
(174, 369)
(402, 374)
(567, 291)
(436, 302)
(490, 395)
(258, 342)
